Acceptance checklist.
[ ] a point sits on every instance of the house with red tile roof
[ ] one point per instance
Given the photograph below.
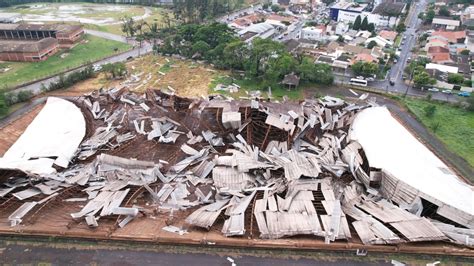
(451, 36)
(388, 35)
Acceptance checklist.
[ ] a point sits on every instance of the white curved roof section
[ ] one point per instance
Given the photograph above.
(52, 138)
(390, 146)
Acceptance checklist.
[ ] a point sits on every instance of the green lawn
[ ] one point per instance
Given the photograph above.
(93, 49)
(398, 40)
(453, 125)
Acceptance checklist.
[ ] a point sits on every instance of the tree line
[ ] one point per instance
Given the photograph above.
(264, 60)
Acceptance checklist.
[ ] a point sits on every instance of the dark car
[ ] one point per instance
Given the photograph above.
(391, 82)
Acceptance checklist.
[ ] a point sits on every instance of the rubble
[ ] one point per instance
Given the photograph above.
(246, 167)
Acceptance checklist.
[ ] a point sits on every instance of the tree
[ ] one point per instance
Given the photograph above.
(430, 110)
(421, 15)
(365, 69)
(3, 104)
(401, 27)
(116, 70)
(422, 78)
(443, 11)
(365, 24)
(128, 26)
(371, 44)
(235, 53)
(340, 38)
(371, 27)
(357, 23)
(429, 16)
(200, 47)
(280, 66)
(455, 78)
(465, 52)
(276, 8)
(262, 50)
(317, 73)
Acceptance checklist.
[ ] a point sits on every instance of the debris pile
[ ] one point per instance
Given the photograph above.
(247, 167)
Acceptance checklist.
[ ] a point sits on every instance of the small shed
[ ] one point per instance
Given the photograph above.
(291, 80)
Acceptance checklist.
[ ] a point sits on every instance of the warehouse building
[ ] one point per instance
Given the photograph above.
(27, 50)
(32, 42)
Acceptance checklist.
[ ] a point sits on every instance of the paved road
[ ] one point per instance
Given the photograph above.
(236, 14)
(396, 72)
(32, 254)
(106, 35)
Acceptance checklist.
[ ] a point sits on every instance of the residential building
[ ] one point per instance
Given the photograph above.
(365, 58)
(442, 68)
(445, 23)
(313, 33)
(262, 30)
(451, 36)
(388, 35)
(380, 41)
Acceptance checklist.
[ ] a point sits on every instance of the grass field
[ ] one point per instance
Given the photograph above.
(92, 49)
(155, 16)
(452, 125)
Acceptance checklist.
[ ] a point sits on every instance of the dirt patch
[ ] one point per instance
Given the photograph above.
(188, 78)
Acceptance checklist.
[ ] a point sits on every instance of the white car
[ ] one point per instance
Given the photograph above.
(360, 77)
(447, 91)
(370, 79)
(433, 89)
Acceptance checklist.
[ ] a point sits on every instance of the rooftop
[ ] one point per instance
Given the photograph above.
(389, 9)
(26, 46)
(41, 27)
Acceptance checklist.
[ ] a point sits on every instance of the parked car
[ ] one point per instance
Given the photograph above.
(464, 94)
(370, 79)
(392, 82)
(433, 89)
(447, 91)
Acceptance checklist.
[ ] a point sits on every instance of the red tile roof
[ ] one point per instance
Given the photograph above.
(388, 35)
(437, 49)
(440, 58)
(452, 36)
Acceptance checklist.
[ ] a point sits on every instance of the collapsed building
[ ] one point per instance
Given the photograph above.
(326, 169)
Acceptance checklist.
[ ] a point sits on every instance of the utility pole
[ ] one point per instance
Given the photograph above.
(409, 82)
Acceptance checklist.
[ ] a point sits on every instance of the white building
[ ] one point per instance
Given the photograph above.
(380, 41)
(442, 68)
(348, 12)
(312, 33)
(261, 30)
(447, 22)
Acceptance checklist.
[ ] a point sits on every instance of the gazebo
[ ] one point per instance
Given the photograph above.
(291, 80)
